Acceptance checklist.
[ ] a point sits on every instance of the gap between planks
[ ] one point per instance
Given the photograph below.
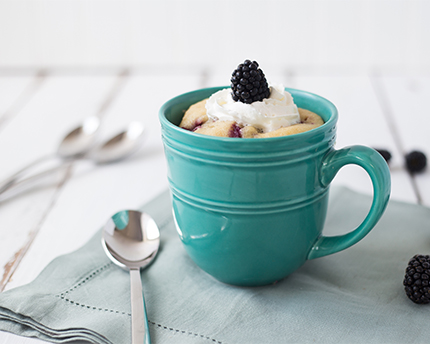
(23, 99)
(12, 265)
(388, 113)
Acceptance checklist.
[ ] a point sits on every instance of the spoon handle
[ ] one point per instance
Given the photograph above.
(20, 184)
(11, 180)
(139, 320)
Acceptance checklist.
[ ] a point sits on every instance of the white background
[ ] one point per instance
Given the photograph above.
(325, 35)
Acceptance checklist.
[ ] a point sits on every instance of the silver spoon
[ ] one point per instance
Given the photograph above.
(131, 240)
(80, 139)
(119, 146)
(77, 146)
(75, 143)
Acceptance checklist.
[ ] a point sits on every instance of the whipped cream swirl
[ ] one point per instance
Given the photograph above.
(270, 114)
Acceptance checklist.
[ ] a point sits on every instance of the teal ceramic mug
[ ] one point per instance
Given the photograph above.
(251, 211)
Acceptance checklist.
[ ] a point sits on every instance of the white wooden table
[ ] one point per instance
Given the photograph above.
(37, 107)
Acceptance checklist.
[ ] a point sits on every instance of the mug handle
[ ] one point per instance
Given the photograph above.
(377, 168)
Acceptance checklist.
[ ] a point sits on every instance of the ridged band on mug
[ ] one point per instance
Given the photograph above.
(247, 208)
(251, 158)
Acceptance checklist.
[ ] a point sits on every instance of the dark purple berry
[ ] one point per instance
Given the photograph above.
(416, 279)
(248, 83)
(385, 154)
(235, 131)
(416, 161)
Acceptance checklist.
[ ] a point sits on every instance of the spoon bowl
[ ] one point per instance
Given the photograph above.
(121, 145)
(79, 140)
(131, 240)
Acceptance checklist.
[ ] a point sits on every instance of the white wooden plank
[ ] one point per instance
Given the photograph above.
(408, 99)
(63, 102)
(93, 194)
(11, 88)
(33, 132)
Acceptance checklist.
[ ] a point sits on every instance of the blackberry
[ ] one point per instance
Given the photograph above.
(248, 83)
(385, 154)
(235, 131)
(416, 279)
(416, 161)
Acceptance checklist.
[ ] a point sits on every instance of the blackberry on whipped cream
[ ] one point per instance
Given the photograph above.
(248, 83)
(276, 111)
(235, 112)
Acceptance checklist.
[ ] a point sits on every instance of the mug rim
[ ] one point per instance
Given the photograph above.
(331, 122)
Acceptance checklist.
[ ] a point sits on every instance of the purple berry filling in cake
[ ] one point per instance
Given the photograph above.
(235, 131)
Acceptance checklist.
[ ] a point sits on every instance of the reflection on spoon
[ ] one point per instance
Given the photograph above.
(121, 145)
(131, 239)
(80, 139)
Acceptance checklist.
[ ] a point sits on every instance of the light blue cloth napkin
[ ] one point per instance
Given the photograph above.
(355, 296)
